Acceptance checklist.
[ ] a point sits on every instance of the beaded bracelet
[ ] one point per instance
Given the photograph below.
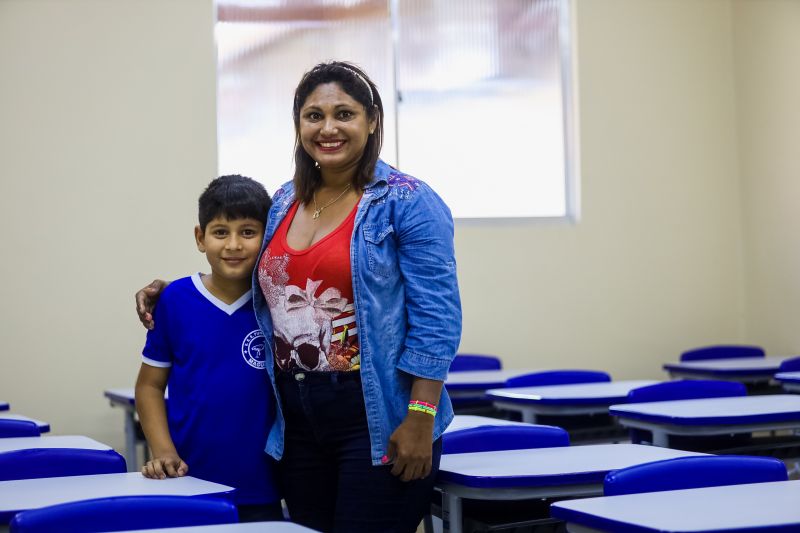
(422, 407)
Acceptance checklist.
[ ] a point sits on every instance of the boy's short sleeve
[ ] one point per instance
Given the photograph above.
(157, 351)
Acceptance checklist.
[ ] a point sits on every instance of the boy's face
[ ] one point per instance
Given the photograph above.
(231, 246)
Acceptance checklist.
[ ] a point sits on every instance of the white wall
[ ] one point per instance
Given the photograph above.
(108, 135)
(767, 45)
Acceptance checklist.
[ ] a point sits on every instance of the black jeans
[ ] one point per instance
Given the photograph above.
(326, 473)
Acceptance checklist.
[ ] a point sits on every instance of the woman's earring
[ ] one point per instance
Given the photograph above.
(316, 164)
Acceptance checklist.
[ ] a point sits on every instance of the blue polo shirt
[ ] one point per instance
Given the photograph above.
(220, 406)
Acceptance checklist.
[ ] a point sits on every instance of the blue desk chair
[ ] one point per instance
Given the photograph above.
(557, 377)
(495, 438)
(722, 351)
(694, 472)
(470, 362)
(18, 428)
(485, 515)
(790, 365)
(125, 512)
(59, 462)
(684, 389)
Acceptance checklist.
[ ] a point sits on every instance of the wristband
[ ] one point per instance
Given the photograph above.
(422, 407)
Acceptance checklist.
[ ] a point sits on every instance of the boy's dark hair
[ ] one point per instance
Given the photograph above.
(363, 90)
(233, 197)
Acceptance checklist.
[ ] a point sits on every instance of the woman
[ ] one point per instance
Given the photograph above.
(356, 287)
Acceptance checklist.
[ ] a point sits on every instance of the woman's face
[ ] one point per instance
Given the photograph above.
(334, 128)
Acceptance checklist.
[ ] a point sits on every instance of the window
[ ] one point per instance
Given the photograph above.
(476, 93)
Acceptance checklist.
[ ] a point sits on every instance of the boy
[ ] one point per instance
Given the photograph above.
(208, 348)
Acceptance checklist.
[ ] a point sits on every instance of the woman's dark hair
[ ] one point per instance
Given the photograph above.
(360, 88)
(233, 197)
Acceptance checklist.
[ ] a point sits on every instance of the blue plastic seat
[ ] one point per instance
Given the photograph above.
(694, 472)
(722, 351)
(557, 377)
(686, 389)
(506, 437)
(59, 462)
(790, 365)
(471, 362)
(124, 513)
(18, 428)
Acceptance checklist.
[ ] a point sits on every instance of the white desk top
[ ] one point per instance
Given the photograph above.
(733, 364)
(733, 410)
(471, 421)
(547, 466)
(739, 508)
(63, 441)
(43, 426)
(789, 377)
(483, 378)
(249, 527)
(604, 392)
(22, 494)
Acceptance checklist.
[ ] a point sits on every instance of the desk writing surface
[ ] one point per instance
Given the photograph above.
(547, 466)
(44, 427)
(571, 394)
(249, 527)
(793, 377)
(731, 366)
(18, 495)
(712, 411)
(481, 379)
(61, 441)
(471, 421)
(733, 508)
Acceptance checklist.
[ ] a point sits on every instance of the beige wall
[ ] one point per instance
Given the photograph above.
(108, 134)
(767, 45)
(106, 137)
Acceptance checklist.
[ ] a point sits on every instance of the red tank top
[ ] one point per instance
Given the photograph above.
(310, 298)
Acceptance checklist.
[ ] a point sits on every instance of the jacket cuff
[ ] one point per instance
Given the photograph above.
(424, 366)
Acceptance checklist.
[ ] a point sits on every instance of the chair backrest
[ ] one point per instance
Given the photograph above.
(557, 377)
(694, 472)
(126, 512)
(506, 437)
(686, 389)
(465, 362)
(722, 351)
(10, 427)
(790, 365)
(59, 462)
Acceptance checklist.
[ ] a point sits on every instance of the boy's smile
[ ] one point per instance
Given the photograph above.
(231, 247)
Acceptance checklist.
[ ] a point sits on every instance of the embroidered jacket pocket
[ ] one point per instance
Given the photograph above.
(381, 248)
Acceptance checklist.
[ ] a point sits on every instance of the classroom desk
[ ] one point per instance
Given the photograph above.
(22, 494)
(472, 421)
(61, 441)
(126, 400)
(473, 383)
(566, 471)
(575, 399)
(741, 369)
(711, 416)
(753, 508)
(789, 380)
(250, 527)
(44, 427)
(4, 406)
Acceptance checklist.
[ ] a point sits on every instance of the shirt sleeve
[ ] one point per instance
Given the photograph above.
(157, 350)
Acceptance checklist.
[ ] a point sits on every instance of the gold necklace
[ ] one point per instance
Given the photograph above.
(319, 210)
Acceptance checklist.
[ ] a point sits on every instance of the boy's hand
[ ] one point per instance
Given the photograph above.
(165, 466)
(146, 299)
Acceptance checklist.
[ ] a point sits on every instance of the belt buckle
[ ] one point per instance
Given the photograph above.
(300, 376)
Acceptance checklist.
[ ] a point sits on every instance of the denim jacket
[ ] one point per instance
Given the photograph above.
(405, 293)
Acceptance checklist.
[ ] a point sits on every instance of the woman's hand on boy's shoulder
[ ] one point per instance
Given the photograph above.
(165, 466)
(146, 299)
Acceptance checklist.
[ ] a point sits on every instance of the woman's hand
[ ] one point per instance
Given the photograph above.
(168, 465)
(411, 447)
(146, 299)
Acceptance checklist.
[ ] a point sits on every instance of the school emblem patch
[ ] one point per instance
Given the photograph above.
(254, 349)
